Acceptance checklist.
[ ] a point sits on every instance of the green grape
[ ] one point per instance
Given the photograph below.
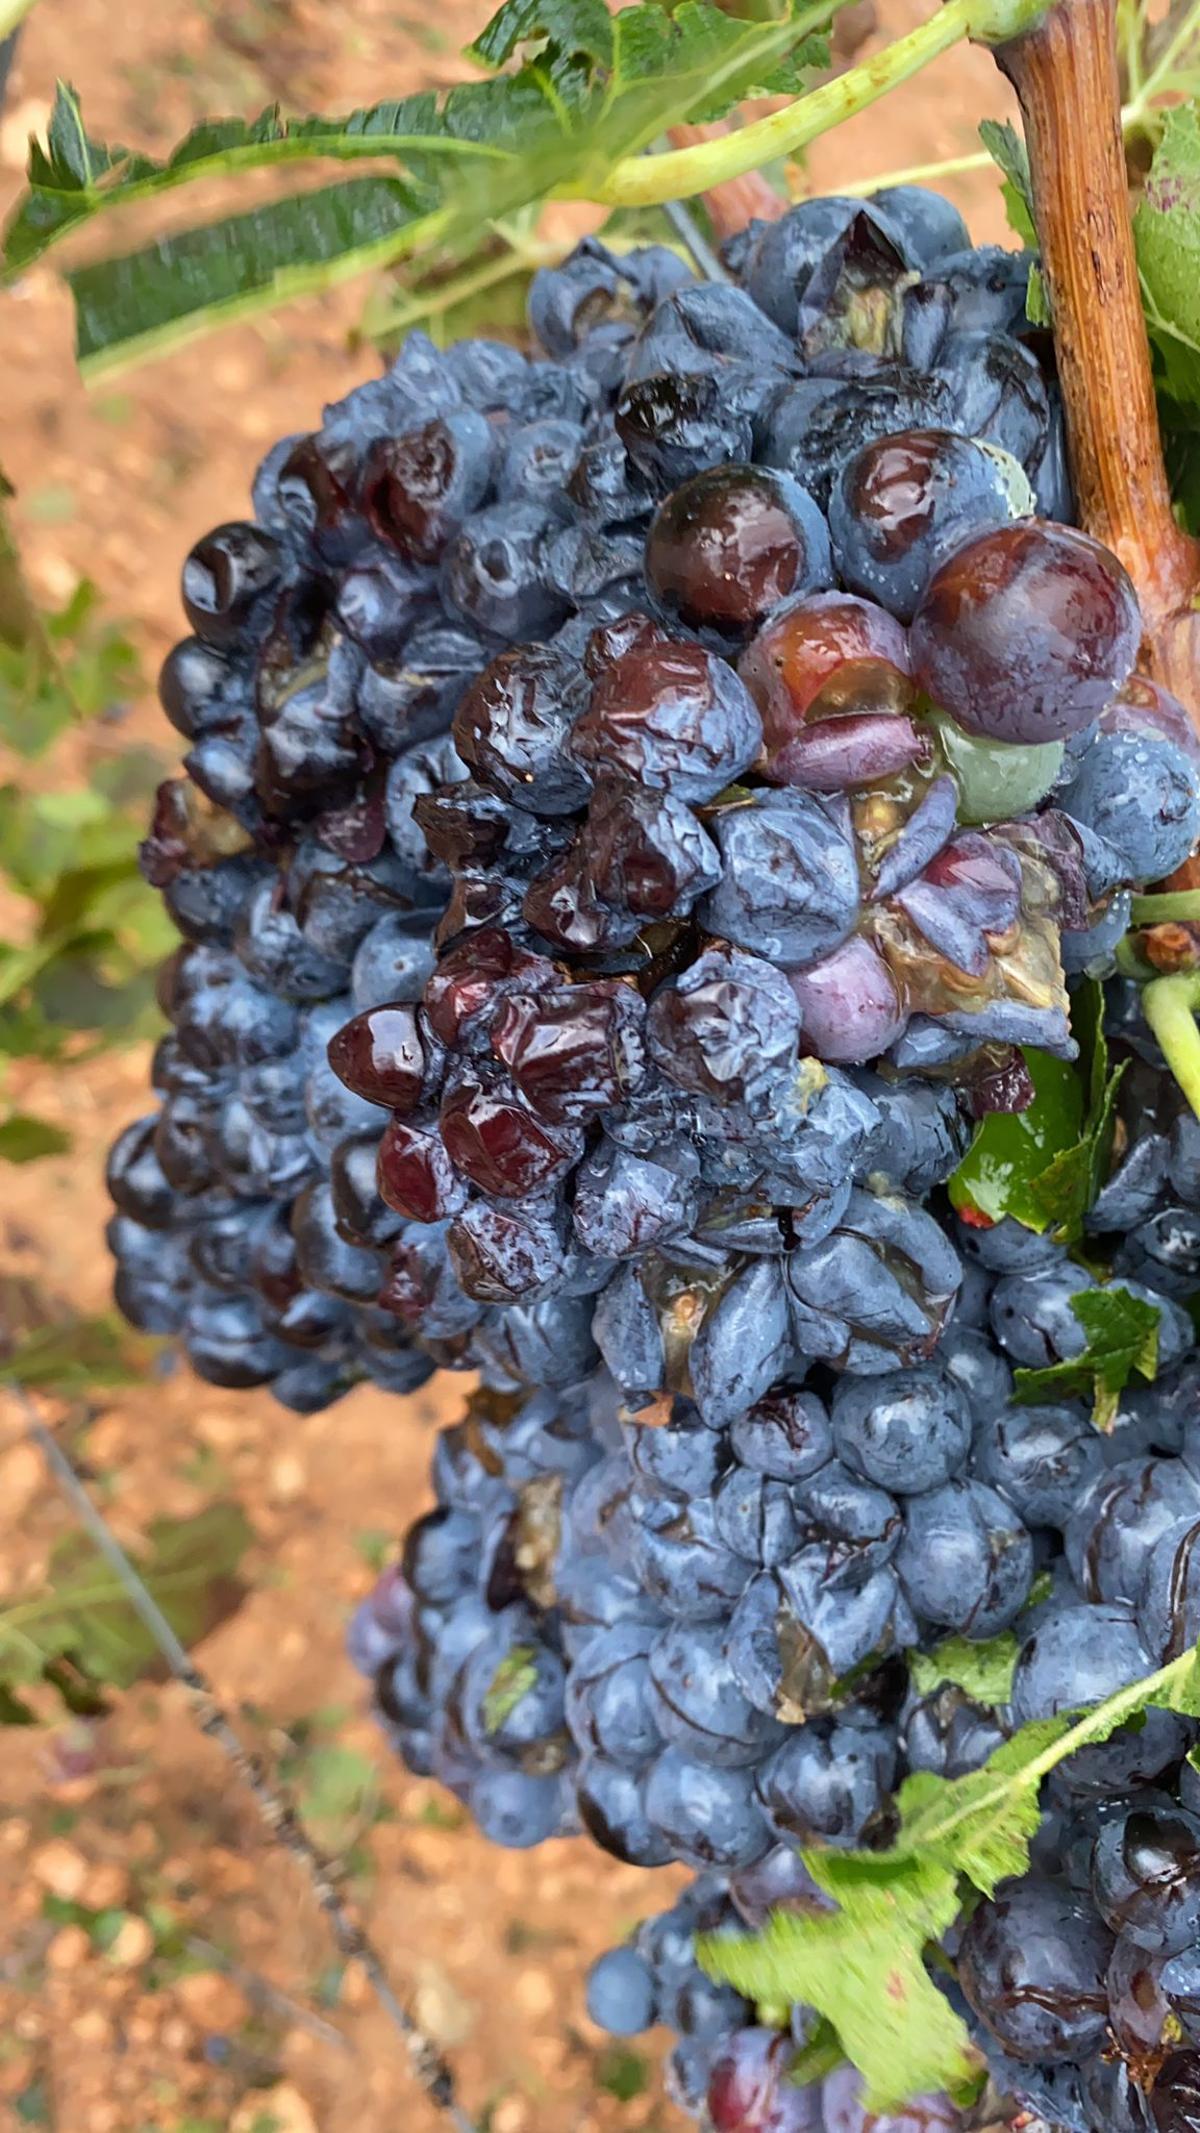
(996, 778)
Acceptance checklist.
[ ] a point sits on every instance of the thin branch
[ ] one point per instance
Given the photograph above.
(261, 1992)
(646, 181)
(281, 1819)
(690, 235)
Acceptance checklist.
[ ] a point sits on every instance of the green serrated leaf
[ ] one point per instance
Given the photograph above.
(583, 26)
(235, 268)
(1121, 1337)
(189, 1566)
(984, 1671)
(1007, 149)
(25, 1139)
(1012, 1149)
(512, 1681)
(1167, 233)
(863, 1966)
(586, 90)
(1044, 1166)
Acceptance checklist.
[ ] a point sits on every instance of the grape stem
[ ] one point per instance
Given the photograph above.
(646, 181)
(1064, 70)
(1170, 1006)
(1164, 905)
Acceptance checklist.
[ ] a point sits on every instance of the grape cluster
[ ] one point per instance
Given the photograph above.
(642, 804)
(758, 885)
(393, 553)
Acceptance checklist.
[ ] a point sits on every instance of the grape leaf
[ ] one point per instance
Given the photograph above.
(1060, 1196)
(1167, 232)
(984, 1671)
(1045, 1165)
(1007, 149)
(1122, 1337)
(78, 1355)
(863, 1966)
(25, 1139)
(585, 90)
(1013, 1148)
(188, 1565)
(509, 1686)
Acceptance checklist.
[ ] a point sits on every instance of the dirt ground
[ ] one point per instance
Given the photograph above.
(162, 1969)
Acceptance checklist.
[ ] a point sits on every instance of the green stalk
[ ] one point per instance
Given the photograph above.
(646, 181)
(1167, 904)
(12, 13)
(1170, 1006)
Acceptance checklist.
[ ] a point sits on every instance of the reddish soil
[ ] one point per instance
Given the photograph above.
(162, 1968)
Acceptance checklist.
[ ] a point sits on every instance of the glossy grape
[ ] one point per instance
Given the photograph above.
(730, 544)
(1025, 634)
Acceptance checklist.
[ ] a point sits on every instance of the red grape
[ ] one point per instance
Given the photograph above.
(730, 544)
(1026, 633)
(380, 1056)
(849, 1004)
(832, 657)
(500, 1146)
(415, 1174)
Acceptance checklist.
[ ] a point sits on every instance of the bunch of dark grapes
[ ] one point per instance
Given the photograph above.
(392, 554)
(758, 887)
(642, 804)
(464, 1639)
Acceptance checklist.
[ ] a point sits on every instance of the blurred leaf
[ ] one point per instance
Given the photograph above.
(189, 1567)
(13, 1712)
(586, 89)
(622, 2073)
(77, 1356)
(1007, 149)
(24, 1139)
(74, 665)
(337, 1784)
(511, 1683)
(1167, 229)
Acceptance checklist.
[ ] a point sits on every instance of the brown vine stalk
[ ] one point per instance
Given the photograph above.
(1064, 71)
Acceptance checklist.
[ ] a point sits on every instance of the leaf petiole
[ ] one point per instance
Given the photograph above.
(1170, 1006)
(646, 181)
(1166, 904)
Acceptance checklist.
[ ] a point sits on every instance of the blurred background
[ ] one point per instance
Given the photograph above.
(162, 1969)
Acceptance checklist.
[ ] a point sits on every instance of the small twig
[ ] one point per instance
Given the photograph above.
(260, 1991)
(690, 235)
(281, 1819)
(731, 204)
